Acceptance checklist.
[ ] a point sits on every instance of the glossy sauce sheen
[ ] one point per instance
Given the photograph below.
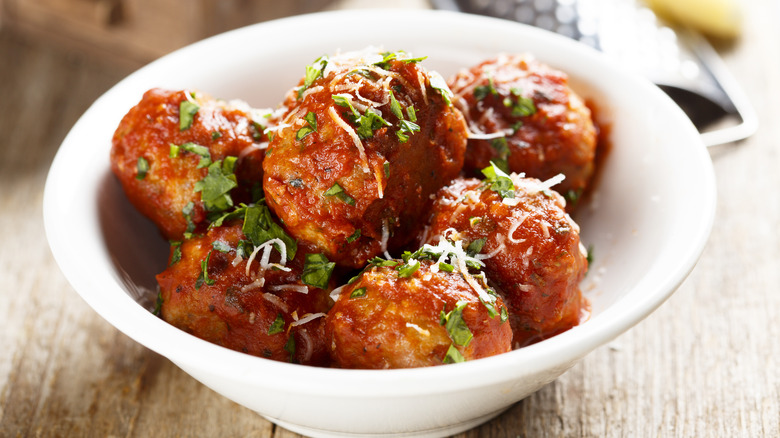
(536, 268)
(148, 130)
(559, 137)
(344, 192)
(390, 184)
(235, 311)
(396, 322)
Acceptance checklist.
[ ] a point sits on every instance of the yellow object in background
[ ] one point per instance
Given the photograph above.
(717, 18)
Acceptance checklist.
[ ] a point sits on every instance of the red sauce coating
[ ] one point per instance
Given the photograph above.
(559, 137)
(148, 130)
(236, 311)
(537, 268)
(396, 323)
(386, 187)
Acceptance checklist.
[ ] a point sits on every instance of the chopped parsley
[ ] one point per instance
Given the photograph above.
(439, 84)
(456, 327)
(202, 151)
(187, 110)
(175, 252)
(158, 304)
(311, 126)
(187, 212)
(313, 71)
(406, 270)
(498, 181)
(277, 326)
(453, 355)
(521, 106)
(215, 135)
(501, 146)
(143, 167)
(366, 123)
(204, 273)
(215, 187)
(482, 91)
(317, 270)
(475, 246)
(259, 227)
(290, 347)
(338, 192)
(355, 236)
(357, 293)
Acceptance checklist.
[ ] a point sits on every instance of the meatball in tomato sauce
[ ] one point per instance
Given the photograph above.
(180, 155)
(414, 314)
(529, 244)
(250, 298)
(524, 116)
(366, 139)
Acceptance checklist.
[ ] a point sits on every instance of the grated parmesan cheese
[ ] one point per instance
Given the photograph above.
(293, 287)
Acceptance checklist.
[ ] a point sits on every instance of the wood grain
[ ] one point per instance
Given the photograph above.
(706, 364)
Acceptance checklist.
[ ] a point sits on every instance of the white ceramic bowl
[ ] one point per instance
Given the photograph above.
(647, 222)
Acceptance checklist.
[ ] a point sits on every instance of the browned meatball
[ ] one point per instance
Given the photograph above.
(529, 245)
(523, 116)
(180, 155)
(414, 315)
(366, 140)
(216, 289)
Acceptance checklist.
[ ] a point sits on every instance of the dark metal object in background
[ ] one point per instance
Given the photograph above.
(680, 62)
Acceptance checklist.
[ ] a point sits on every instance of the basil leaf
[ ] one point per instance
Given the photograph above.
(521, 106)
(317, 270)
(187, 110)
(187, 212)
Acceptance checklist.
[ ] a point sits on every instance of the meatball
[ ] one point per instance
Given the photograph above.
(529, 245)
(220, 289)
(180, 155)
(403, 315)
(365, 140)
(523, 116)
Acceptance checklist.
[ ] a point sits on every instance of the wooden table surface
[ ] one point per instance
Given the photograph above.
(706, 364)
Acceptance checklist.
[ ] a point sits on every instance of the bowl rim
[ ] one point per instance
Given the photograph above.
(103, 293)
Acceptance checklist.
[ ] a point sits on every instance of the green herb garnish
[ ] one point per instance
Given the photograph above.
(313, 71)
(215, 187)
(456, 327)
(187, 110)
(259, 227)
(453, 355)
(498, 181)
(204, 274)
(175, 252)
(317, 270)
(355, 236)
(338, 192)
(311, 126)
(277, 326)
(357, 293)
(142, 167)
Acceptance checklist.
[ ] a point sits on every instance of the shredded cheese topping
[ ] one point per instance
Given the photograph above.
(293, 287)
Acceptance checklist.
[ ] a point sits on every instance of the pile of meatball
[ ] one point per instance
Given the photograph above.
(379, 217)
